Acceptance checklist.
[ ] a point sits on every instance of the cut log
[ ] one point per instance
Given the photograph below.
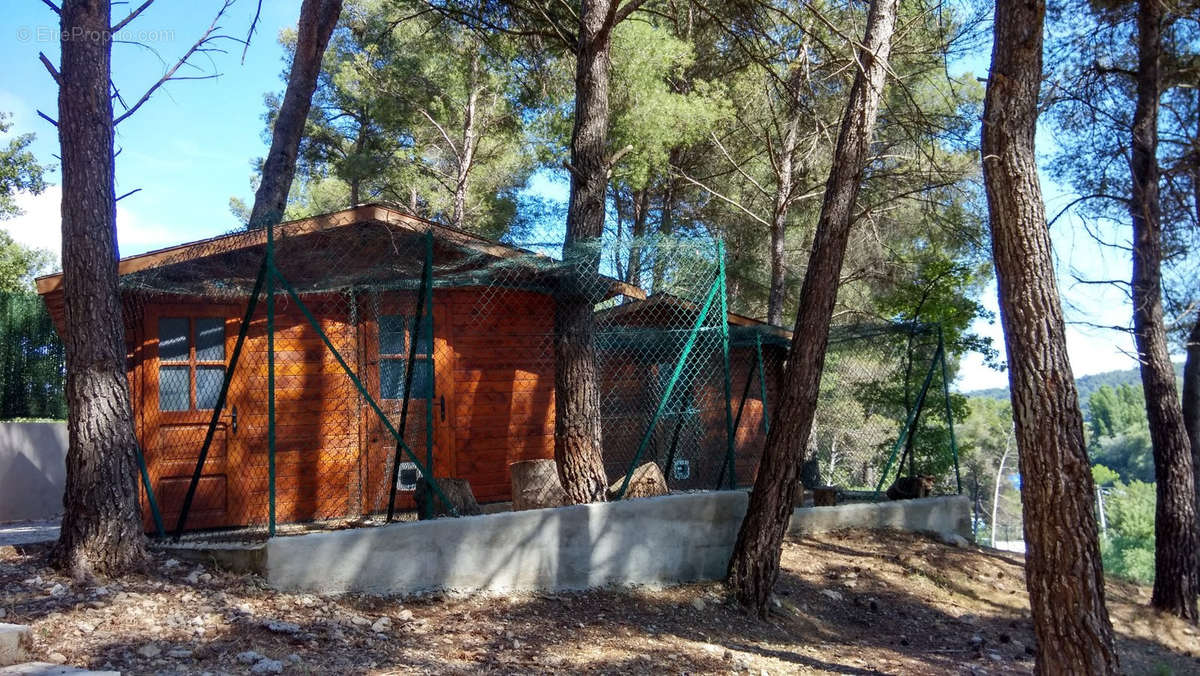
(535, 485)
(825, 496)
(457, 491)
(647, 481)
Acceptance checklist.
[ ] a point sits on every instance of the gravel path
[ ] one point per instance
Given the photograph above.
(14, 533)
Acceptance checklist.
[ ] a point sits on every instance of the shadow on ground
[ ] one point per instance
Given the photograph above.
(855, 602)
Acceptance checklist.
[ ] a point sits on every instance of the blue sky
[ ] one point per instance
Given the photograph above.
(190, 148)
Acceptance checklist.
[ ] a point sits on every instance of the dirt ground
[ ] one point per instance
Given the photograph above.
(854, 602)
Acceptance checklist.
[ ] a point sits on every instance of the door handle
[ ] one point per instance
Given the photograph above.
(233, 420)
(442, 404)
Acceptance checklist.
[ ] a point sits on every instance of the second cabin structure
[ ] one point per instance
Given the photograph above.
(463, 324)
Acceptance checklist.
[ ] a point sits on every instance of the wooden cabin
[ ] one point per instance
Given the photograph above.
(482, 379)
(689, 440)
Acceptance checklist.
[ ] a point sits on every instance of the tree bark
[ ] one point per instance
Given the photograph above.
(779, 212)
(1062, 563)
(1191, 404)
(317, 21)
(754, 566)
(784, 186)
(577, 434)
(641, 213)
(1175, 562)
(101, 528)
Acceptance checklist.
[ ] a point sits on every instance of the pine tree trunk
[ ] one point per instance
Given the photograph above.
(1191, 407)
(1175, 562)
(779, 212)
(1062, 563)
(317, 21)
(641, 213)
(784, 186)
(666, 221)
(754, 566)
(101, 528)
(577, 440)
(466, 154)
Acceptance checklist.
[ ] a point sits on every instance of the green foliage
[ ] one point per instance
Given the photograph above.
(1119, 436)
(407, 110)
(1129, 454)
(19, 264)
(985, 437)
(1115, 411)
(648, 112)
(19, 170)
(1104, 476)
(1128, 545)
(32, 360)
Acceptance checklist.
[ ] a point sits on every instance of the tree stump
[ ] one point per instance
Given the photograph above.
(535, 485)
(825, 496)
(647, 481)
(457, 491)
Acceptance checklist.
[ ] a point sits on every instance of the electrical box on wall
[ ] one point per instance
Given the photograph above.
(408, 475)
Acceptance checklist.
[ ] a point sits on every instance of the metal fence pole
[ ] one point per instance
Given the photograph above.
(427, 283)
(670, 389)
(724, 319)
(949, 409)
(737, 420)
(271, 277)
(908, 424)
(158, 522)
(413, 339)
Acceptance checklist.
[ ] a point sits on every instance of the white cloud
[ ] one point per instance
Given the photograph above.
(1091, 350)
(41, 226)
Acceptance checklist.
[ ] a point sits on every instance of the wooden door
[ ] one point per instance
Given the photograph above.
(386, 342)
(186, 350)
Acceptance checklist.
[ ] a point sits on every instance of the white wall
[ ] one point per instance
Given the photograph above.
(649, 541)
(33, 470)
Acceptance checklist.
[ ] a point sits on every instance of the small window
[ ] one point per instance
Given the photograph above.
(391, 378)
(191, 354)
(394, 334)
(172, 339)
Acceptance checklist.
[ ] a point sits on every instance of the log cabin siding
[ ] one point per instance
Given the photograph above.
(503, 383)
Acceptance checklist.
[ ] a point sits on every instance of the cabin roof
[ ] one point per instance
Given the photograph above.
(683, 307)
(339, 249)
(246, 247)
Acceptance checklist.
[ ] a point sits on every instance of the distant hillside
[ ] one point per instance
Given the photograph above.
(1087, 384)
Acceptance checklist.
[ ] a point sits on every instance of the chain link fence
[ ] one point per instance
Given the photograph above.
(366, 366)
(319, 372)
(885, 410)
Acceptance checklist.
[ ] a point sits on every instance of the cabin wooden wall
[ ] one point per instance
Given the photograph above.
(494, 355)
(629, 396)
(503, 382)
(317, 431)
(494, 358)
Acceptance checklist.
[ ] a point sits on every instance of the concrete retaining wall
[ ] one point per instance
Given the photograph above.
(33, 470)
(935, 515)
(652, 541)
